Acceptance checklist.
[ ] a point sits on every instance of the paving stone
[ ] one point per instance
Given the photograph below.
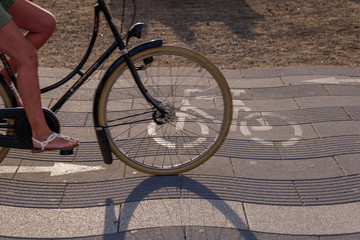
(12, 162)
(240, 94)
(30, 194)
(289, 92)
(328, 101)
(255, 83)
(179, 212)
(306, 116)
(154, 233)
(296, 71)
(304, 220)
(77, 106)
(262, 73)
(59, 223)
(151, 233)
(350, 163)
(318, 79)
(47, 156)
(337, 190)
(321, 147)
(215, 233)
(208, 233)
(327, 129)
(72, 119)
(79, 95)
(275, 72)
(353, 111)
(286, 170)
(120, 191)
(240, 189)
(292, 117)
(269, 236)
(83, 133)
(89, 152)
(271, 105)
(214, 166)
(53, 72)
(351, 236)
(335, 71)
(343, 90)
(246, 149)
(131, 172)
(231, 74)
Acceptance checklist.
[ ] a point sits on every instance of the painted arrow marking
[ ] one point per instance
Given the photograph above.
(57, 169)
(330, 80)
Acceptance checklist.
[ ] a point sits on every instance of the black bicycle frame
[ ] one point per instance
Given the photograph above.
(101, 7)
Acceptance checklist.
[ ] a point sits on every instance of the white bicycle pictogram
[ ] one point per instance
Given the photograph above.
(185, 110)
(252, 131)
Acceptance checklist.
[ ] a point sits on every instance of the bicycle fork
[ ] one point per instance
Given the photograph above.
(155, 103)
(101, 134)
(101, 129)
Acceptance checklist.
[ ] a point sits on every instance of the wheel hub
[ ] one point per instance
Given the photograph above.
(168, 114)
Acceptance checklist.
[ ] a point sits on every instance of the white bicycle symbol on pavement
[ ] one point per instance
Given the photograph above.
(238, 105)
(252, 131)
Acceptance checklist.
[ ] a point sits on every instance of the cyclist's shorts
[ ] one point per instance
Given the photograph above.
(4, 16)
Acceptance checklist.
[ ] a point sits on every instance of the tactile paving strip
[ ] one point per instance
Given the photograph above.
(304, 149)
(314, 192)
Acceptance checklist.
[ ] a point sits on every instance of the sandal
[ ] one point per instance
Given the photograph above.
(48, 140)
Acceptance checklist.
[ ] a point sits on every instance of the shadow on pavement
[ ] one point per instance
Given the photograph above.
(155, 183)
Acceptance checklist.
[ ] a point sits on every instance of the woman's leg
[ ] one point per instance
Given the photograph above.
(22, 51)
(39, 24)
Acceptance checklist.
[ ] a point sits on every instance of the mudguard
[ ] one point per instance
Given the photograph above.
(100, 130)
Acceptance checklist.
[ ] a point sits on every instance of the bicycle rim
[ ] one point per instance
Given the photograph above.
(198, 101)
(4, 103)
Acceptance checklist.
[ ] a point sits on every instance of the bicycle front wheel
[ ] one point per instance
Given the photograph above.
(5, 102)
(197, 100)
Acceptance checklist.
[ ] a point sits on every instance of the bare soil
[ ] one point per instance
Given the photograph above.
(234, 34)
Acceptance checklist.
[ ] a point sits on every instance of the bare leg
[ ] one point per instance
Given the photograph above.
(39, 23)
(22, 51)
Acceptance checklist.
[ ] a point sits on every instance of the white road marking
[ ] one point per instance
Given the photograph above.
(57, 169)
(330, 80)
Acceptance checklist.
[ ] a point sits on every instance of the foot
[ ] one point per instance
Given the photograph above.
(54, 141)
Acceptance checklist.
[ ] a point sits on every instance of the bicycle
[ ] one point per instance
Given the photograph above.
(160, 109)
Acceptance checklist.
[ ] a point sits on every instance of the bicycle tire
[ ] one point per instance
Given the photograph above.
(5, 102)
(195, 93)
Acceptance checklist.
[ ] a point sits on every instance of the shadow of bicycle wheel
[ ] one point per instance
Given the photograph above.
(136, 204)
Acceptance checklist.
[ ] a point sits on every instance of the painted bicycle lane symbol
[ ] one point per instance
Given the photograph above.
(252, 132)
(295, 132)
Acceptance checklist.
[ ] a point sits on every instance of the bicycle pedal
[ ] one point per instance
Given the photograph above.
(67, 151)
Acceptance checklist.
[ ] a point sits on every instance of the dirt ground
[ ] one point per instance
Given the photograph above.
(234, 34)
